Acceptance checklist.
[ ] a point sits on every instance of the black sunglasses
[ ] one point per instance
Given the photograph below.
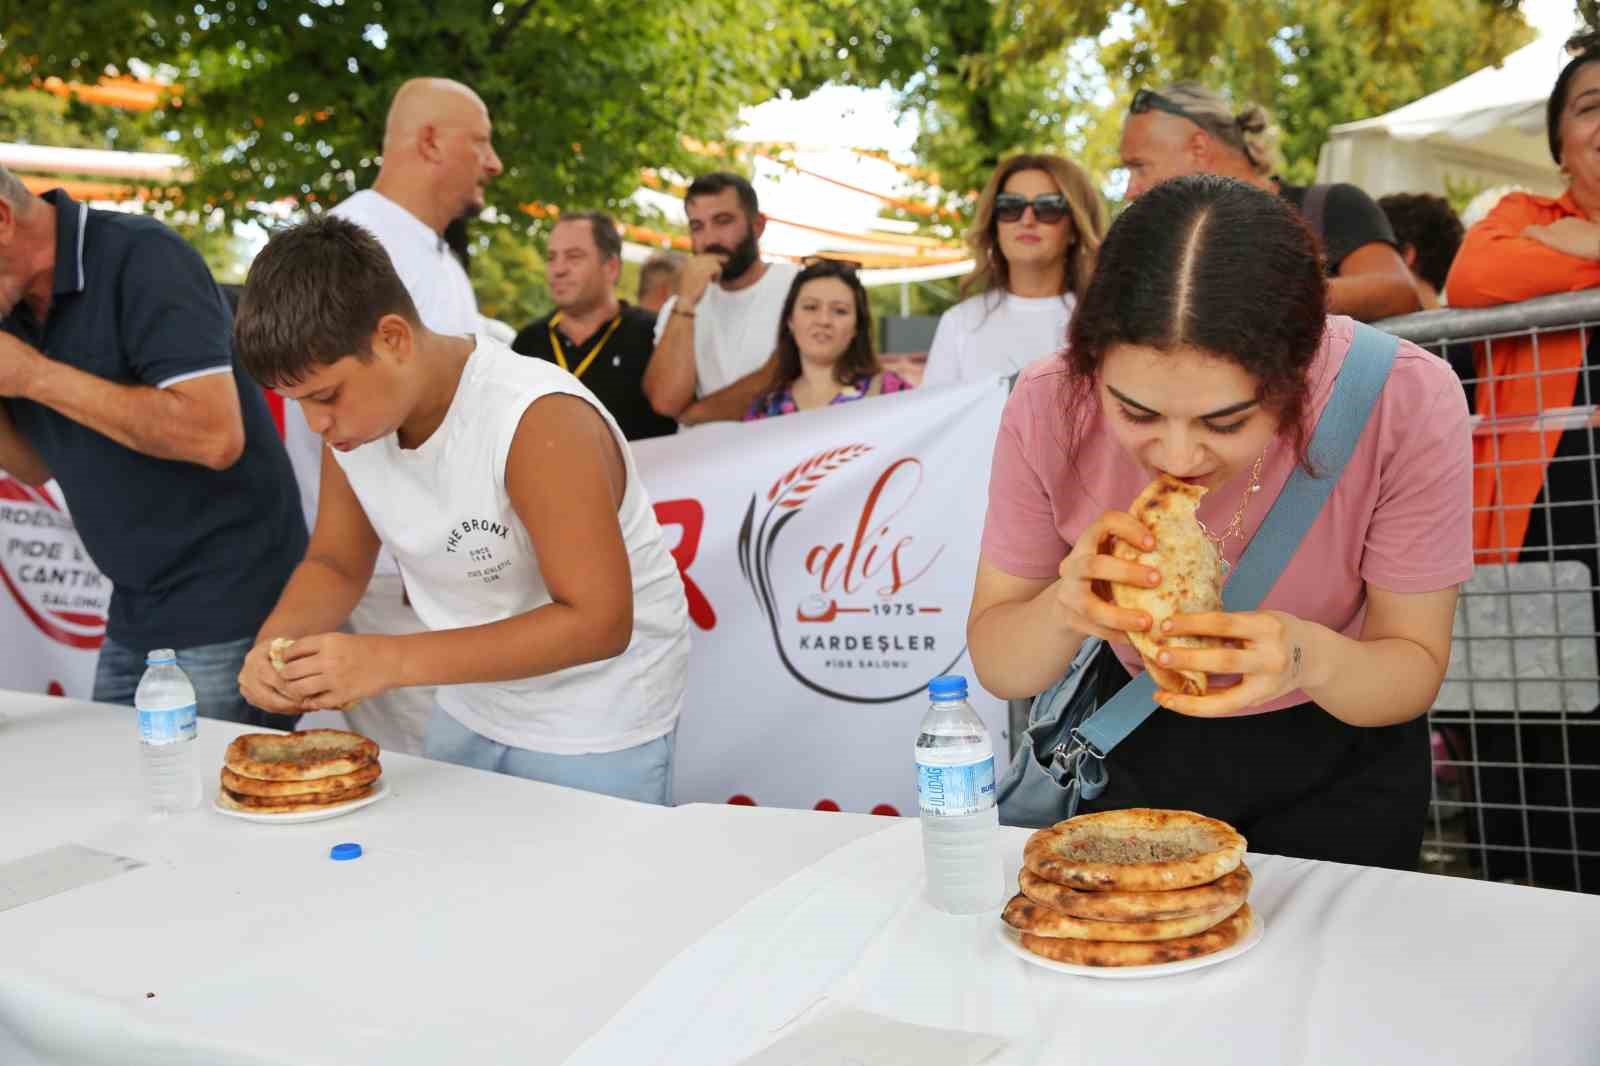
(1150, 100)
(1048, 209)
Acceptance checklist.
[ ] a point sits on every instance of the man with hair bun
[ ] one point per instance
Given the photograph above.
(1187, 128)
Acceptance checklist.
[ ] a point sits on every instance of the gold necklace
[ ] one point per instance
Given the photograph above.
(1236, 525)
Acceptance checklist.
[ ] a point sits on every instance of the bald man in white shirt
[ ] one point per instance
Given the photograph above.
(438, 156)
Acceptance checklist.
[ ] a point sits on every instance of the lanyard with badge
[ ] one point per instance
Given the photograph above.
(561, 356)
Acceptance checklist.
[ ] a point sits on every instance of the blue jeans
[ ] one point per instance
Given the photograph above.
(213, 670)
(642, 773)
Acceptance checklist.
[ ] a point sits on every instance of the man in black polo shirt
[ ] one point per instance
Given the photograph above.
(600, 339)
(117, 379)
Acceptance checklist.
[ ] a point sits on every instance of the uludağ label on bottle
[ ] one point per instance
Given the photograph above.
(164, 727)
(953, 791)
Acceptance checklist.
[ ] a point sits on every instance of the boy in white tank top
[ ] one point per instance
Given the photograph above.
(558, 630)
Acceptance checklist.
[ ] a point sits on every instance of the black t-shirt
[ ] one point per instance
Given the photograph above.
(616, 374)
(195, 556)
(1350, 219)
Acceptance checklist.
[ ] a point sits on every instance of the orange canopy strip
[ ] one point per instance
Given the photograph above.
(871, 261)
(645, 235)
(772, 152)
(884, 238)
(910, 206)
(129, 94)
(93, 190)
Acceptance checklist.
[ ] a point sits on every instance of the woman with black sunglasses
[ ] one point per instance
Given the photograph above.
(1034, 239)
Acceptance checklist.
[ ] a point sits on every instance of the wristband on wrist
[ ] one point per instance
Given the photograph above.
(681, 311)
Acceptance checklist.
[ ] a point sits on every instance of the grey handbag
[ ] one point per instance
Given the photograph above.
(1061, 760)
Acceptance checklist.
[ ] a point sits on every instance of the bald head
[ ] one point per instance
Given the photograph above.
(423, 102)
(438, 151)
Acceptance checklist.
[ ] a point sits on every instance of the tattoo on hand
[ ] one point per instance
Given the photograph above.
(1294, 669)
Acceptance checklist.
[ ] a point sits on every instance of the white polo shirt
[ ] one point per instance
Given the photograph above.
(438, 286)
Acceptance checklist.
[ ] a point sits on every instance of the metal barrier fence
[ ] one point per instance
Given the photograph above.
(1516, 735)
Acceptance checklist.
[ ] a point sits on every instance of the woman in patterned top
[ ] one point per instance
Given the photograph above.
(825, 351)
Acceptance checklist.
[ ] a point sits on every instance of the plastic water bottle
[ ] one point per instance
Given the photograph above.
(955, 793)
(166, 704)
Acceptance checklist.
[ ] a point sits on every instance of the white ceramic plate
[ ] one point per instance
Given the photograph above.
(1013, 942)
(307, 816)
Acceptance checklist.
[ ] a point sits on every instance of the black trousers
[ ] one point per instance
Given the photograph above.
(1295, 782)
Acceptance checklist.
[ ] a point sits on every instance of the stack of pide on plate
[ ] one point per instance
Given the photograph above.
(272, 773)
(1136, 887)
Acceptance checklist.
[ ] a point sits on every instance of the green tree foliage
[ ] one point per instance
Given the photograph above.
(990, 77)
(289, 98)
(28, 116)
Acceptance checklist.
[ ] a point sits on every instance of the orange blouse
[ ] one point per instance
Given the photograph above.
(1498, 265)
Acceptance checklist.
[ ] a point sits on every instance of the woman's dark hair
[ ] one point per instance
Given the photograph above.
(1215, 264)
(1584, 48)
(860, 358)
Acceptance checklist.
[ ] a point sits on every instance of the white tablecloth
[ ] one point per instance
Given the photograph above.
(1357, 966)
(490, 920)
(495, 920)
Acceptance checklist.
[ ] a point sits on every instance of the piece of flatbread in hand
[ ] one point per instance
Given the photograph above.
(275, 652)
(1191, 577)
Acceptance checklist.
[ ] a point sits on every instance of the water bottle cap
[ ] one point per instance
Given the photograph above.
(160, 656)
(948, 687)
(345, 852)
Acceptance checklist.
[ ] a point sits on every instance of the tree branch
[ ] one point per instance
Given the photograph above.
(507, 28)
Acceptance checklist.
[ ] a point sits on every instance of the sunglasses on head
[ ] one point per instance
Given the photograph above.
(1150, 100)
(1047, 209)
(842, 266)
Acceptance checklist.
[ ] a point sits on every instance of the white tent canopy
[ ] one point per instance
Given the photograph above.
(1487, 129)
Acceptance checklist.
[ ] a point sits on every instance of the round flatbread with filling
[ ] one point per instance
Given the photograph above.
(275, 653)
(289, 804)
(1141, 849)
(1025, 915)
(1191, 577)
(1228, 891)
(303, 756)
(1224, 934)
(249, 786)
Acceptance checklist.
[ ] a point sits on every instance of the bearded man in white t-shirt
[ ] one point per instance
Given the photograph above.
(716, 338)
(438, 155)
(1034, 237)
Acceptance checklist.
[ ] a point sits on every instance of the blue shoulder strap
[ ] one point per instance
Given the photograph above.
(1355, 394)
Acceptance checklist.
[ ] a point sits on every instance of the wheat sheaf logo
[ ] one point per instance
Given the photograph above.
(845, 617)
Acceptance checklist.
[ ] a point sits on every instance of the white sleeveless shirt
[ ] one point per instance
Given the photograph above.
(467, 560)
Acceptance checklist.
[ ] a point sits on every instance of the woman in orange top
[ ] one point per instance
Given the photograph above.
(1534, 246)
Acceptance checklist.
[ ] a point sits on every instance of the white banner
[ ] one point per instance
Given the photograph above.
(828, 558)
(53, 608)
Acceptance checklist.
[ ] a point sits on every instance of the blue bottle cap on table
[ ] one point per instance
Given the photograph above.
(948, 687)
(345, 852)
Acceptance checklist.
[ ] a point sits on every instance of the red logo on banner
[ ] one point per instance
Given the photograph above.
(691, 518)
(46, 570)
(845, 618)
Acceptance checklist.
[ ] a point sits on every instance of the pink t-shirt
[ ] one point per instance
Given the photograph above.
(1399, 518)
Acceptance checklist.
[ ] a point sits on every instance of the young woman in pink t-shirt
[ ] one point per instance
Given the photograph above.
(1202, 350)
